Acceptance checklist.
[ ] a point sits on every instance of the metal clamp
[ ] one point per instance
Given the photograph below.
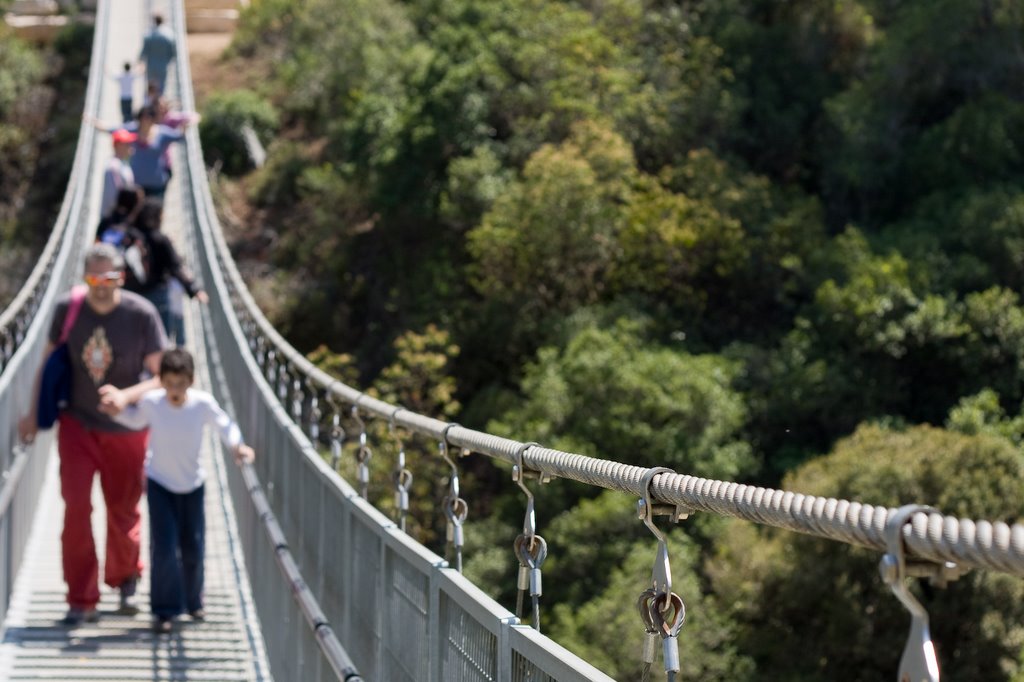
(661, 577)
(918, 662)
(297, 399)
(314, 411)
(363, 453)
(530, 549)
(455, 508)
(662, 610)
(337, 431)
(282, 381)
(519, 475)
(401, 477)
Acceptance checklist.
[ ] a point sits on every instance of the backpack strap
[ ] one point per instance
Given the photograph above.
(74, 307)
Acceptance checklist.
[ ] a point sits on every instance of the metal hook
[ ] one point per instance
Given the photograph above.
(443, 449)
(337, 431)
(918, 662)
(519, 476)
(401, 477)
(314, 410)
(354, 413)
(392, 423)
(661, 576)
(363, 453)
(393, 433)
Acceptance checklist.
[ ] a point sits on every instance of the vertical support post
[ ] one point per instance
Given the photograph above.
(434, 627)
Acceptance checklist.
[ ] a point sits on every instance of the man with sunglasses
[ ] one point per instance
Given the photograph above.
(116, 337)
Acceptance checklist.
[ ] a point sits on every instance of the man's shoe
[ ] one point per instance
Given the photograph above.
(128, 605)
(163, 625)
(197, 614)
(77, 616)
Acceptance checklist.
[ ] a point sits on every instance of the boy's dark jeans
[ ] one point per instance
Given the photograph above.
(177, 532)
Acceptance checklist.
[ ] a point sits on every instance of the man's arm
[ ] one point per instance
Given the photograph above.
(114, 399)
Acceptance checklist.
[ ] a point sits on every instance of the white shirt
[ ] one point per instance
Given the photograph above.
(126, 81)
(176, 433)
(117, 176)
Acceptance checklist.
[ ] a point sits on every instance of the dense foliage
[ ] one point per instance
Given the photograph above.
(41, 90)
(726, 237)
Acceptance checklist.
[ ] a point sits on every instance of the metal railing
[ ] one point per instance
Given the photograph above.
(338, 586)
(24, 326)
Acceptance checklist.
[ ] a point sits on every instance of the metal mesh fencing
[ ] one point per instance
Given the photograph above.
(363, 635)
(471, 628)
(535, 659)
(406, 618)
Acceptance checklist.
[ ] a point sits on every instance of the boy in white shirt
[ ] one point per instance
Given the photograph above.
(176, 414)
(126, 81)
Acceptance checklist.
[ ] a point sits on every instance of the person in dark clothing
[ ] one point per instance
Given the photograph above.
(127, 206)
(118, 229)
(163, 263)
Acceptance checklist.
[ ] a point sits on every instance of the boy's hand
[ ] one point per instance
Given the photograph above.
(112, 400)
(244, 454)
(27, 428)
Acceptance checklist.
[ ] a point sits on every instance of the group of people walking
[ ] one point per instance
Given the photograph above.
(135, 180)
(133, 416)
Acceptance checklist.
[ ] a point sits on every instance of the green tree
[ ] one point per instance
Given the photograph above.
(608, 394)
(936, 88)
(22, 117)
(547, 244)
(789, 589)
(224, 120)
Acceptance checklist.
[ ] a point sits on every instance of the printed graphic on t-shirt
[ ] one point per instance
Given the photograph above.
(97, 355)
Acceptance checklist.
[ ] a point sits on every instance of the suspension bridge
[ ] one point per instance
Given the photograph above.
(306, 579)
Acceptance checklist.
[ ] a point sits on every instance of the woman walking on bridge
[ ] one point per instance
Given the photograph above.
(151, 170)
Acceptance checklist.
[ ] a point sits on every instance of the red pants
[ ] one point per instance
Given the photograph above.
(119, 458)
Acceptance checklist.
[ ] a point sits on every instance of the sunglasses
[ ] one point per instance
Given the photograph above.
(94, 280)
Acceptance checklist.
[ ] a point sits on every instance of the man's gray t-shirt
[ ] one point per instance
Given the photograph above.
(107, 349)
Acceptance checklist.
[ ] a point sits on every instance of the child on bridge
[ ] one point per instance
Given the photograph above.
(176, 414)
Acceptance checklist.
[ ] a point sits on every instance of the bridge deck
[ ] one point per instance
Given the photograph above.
(228, 645)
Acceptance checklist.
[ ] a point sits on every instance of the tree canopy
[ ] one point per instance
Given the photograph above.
(779, 243)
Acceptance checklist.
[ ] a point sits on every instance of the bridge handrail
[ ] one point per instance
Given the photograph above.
(930, 536)
(933, 536)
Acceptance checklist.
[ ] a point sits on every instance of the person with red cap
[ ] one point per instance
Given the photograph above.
(118, 174)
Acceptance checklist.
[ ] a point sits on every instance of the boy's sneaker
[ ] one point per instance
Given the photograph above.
(163, 625)
(197, 614)
(128, 606)
(77, 616)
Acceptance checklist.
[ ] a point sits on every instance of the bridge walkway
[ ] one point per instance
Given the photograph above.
(228, 645)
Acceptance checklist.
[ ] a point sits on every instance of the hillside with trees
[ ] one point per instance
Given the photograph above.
(778, 243)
